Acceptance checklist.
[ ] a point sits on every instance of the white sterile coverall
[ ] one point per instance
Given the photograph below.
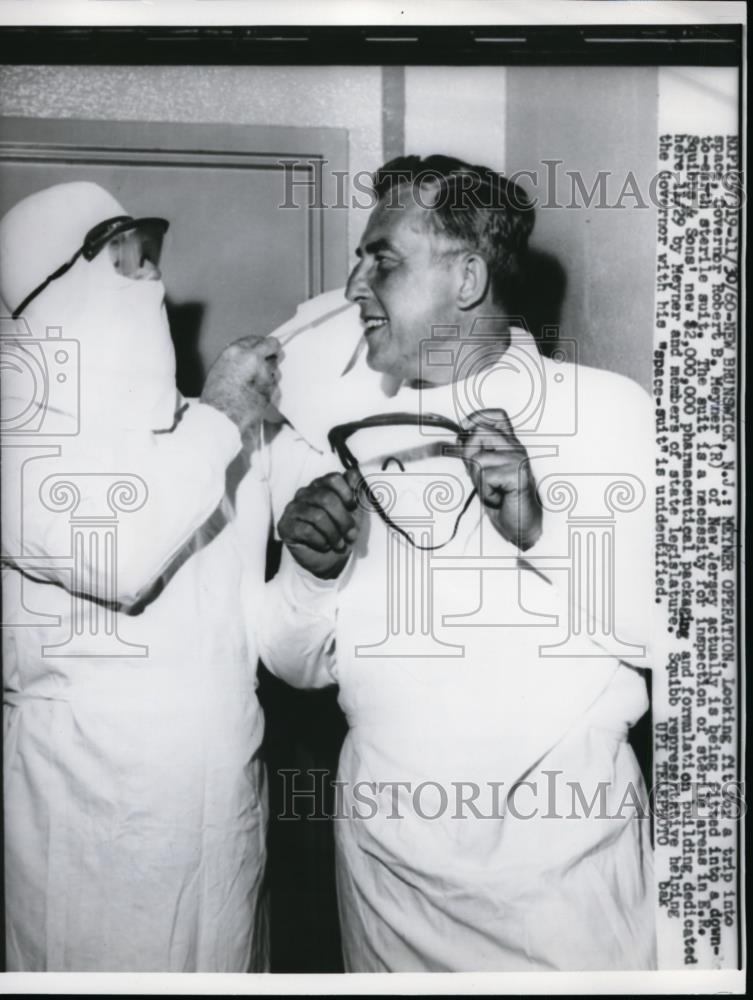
(424, 882)
(135, 811)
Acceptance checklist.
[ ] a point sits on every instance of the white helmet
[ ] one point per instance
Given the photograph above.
(126, 356)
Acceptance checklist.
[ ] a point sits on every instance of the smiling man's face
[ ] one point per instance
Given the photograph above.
(404, 283)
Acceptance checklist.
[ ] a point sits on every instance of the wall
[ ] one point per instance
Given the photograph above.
(597, 263)
(698, 99)
(457, 110)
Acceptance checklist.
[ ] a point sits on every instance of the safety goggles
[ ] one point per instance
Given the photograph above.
(338, 438)
(129, 243)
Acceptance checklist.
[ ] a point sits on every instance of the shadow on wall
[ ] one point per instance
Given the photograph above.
(541, 296)
(185, 328)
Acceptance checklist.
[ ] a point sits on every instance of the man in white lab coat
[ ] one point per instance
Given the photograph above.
(135, 811)
(479, 586)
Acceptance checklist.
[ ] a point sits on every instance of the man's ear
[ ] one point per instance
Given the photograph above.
(474, 280)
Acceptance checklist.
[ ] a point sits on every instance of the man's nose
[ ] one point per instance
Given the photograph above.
(357, 287)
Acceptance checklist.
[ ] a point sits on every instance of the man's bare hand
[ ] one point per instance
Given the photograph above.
(499, 467)
(321, 524)
(241, 381)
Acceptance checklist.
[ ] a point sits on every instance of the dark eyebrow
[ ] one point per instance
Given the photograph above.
(375, 247)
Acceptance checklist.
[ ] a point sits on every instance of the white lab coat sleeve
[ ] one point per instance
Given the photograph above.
(291, 617)
(174, 481)
(295, 616)
(615, 444)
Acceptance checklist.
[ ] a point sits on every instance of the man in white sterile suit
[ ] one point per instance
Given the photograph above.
(135, 810)
(472, 567)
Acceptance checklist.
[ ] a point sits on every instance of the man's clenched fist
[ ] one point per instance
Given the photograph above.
(321, 523)
(241, 381)
(499, 467)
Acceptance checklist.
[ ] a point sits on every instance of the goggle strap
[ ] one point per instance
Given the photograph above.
(338, 436)
(396, 527)
(95, 240)
(50, 278)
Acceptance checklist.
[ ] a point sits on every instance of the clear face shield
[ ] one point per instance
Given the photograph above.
(133, 245)
(338, 439)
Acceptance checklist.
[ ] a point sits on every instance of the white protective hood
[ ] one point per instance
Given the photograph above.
(135, 804)
(127, 361)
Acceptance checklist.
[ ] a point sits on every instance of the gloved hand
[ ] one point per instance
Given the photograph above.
(321, 523)
(500, 470)
(241, 381)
